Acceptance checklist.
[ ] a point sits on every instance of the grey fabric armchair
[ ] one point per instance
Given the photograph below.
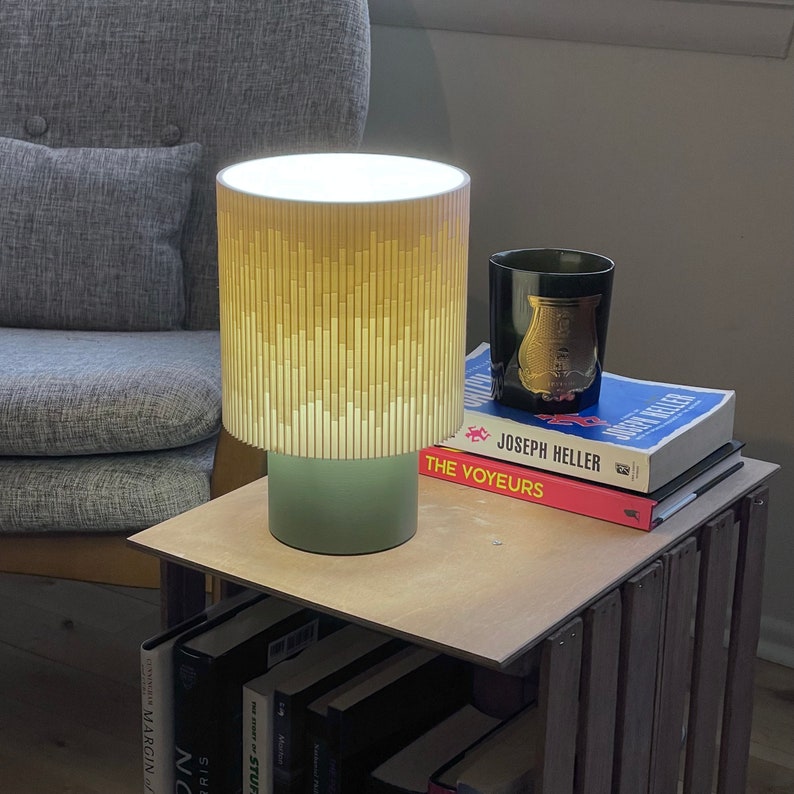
(115, 116)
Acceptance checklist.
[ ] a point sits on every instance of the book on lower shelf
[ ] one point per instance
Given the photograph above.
(361, 650)
(639, 435)
(617, 505)
(409, 770)
(504, 761)
(263, 739)
(157, 689)
(209, 671)
(355, 727)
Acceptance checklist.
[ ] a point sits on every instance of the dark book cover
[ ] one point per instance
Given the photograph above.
(210, 669)
(504, 759)
(291, 698)
(357, 726)
(408, 771)
(157, 688)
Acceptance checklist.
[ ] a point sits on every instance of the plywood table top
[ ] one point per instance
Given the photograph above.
(486, 577)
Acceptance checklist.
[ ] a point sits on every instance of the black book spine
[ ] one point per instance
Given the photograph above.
(317, 776)
(284, 784)
(208, 702)
(196, 742)
(193, 690)
(290, 753)
(360, 739)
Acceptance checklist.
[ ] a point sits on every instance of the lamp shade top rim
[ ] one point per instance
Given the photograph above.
(343, 178)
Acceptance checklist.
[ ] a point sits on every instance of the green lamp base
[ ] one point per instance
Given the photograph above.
(343, 506)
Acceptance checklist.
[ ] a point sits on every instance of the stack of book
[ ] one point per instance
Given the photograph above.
(192, 681)
(261, 696)
(470, 752)
(637, 457)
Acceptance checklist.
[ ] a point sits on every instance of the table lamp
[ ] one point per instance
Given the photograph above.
(343, 324)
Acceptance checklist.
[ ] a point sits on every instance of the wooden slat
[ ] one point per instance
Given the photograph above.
(597, 696)
(642, 607)
(674, 672)
(745, 628)
(708, 658)
(558, 705)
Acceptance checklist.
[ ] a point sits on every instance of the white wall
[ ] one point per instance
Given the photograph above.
(678, 165)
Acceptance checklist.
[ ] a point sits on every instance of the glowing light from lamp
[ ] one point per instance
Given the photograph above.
(343, 303)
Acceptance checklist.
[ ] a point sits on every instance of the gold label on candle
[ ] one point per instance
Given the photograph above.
(558, 357)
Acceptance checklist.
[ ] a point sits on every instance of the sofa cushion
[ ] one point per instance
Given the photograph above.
(103, 493)
(81, 393)
(90, 238)
(244, 78)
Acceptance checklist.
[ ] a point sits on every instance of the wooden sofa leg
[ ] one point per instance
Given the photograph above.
(236, 464)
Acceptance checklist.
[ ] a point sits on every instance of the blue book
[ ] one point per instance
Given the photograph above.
(638, 436)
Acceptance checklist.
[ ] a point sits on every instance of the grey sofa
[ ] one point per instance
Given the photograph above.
(115, 116)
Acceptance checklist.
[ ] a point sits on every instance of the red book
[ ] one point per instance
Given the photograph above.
(630, 508)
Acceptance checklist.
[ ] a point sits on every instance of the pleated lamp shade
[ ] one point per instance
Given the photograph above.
(343, 311)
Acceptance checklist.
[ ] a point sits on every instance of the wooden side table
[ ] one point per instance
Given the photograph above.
(494, 580)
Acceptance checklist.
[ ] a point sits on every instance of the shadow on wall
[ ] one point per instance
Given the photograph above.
(407, 115)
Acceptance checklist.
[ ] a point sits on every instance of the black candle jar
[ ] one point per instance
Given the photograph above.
(549, 310)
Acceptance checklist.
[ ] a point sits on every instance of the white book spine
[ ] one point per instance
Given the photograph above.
(257, 742)
(157, 712)
(552, 451)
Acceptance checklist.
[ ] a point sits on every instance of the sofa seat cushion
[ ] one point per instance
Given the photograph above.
(91, 238)
(103, 493)
(85, 393)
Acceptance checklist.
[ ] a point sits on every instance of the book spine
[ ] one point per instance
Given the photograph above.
(550, 450)
(365, 734)
(334, 764)
(290, 757)
(158, 695)
(207, 725)
(157, 706)
(318, 778)
(257, 758)
(196, 743)
(286, 735)
(284, 784)
(157, 719)
(533, 485)
(294, 749)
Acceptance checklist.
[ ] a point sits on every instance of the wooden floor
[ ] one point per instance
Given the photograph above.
(69, 695)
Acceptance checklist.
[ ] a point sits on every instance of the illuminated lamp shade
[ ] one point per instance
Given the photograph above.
(343, 324)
